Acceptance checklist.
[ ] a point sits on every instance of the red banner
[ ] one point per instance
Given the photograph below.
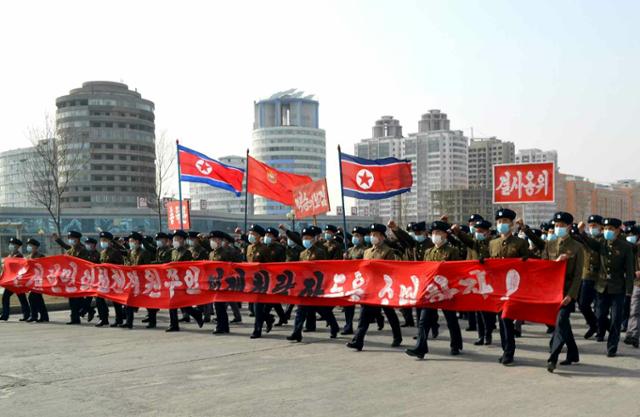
(173, 215)
(528, 290)
(311, 199)
(524, 183)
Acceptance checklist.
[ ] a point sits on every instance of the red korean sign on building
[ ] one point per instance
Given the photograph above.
(524, 183)
(173, 215)
(311, 199)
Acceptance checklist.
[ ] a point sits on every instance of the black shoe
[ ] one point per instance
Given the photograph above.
(73, 322)
(200, 321)
(150, 326)
(281, 323)
(396, 342)
(346, 332)
(42, 320)
(354, 345)
(127, 326)
(4, 318)
(568, 361)
(184, 320)
(172, 329)
(517, 333)
(115, 325)
(471, 329)
(479, 342)
(623, 329)
(507, 360)
(309, 330)
(295, 338)
(590, 332)
(488, 339)
(380, 326)
(434, 333)
(454, 352)
(145, 320)
(333, 334)
(102, 324)
(206, 319)
(255, 336)
(611, 354)
(219, 331)
(551, 366)
(414, 353)
(24, 319)
(550, 329)
(236, 321)
(32, 319)
(600, 338)
(269, 321)
(90, 315)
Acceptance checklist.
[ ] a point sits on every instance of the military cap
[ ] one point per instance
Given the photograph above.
(15, 241)
(360, 230)
(612, 221)
(136, 236)
(162, 235)
(272, 230)
(474, 218)
(439, 225)
(310, 231)
(377, 227)
(192, 234)
(410, 226)
(106, 235)
(545, 226)
(180, 233)
(75, 234)
(633, 230)
(564, 217)
(331, 228)
(228, 237)
(483, 224)
(257, 229)
(537, 232)
(33, 242)
(217, 234)
(629, 223)
(505, 213)
(91, 240)
(419, 227)
(594, 218)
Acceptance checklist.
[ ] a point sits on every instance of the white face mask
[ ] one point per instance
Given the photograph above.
(214, 244)
(177, 244)
(437, 239)
(375, 240)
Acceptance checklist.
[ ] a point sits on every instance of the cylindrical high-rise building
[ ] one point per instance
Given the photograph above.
(287, 137)
(117, 130)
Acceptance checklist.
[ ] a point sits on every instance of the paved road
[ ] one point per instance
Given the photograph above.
(58, 370)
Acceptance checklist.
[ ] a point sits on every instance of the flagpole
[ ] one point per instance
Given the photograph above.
(246, 192)
(179, 183)
(344, 209)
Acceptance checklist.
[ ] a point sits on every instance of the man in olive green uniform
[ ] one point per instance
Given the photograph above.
(109, 254)
(236, 255)
(507, 245)
(74, 247)
(14, 252)
(277, 253)
(180, 253)
(198, 253)
(569, 249)
(615, 281)
(633, 331)
(591, 271)
(257, 251)
(93, 255)
(39, 311)
(220, 253)
(314, 251)
(293, 251)
(355, 252)
(137, 255)
(478, 250)
(415, 244)
(442, 251)
(378, 250)
(162, 256)
(332, 245)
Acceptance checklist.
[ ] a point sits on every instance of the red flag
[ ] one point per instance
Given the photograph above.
(273, 184)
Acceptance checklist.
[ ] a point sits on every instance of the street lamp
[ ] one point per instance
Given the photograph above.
(292, 216)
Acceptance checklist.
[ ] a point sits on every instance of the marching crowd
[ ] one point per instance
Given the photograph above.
(602, 276)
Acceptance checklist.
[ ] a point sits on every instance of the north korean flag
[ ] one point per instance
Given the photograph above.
(375, 179)
(198, 167)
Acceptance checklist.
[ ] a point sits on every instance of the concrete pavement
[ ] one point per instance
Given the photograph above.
(50, 369)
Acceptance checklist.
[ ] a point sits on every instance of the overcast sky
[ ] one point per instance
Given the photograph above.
(548, 74)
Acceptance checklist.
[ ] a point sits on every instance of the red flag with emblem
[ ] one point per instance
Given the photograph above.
(271, 183)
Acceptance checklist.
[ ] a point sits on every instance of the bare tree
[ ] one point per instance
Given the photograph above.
(59, 156)
(165, 168)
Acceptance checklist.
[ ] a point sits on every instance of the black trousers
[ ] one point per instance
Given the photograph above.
(153, 316)
(86, 305)
(369, 314)
(103, 309)
(235, 308)
(472, 320)
(614, 303)
(407, 314)
(282, 316)
(563, 335)
(486, 324)
(305, 313)
(75, 307)
(189, 311)
(507, 336)
(38, 307)
(262, 315)
(585, 302)
(6, 304)
(119, 310)
(222, 323)
(349, 313)
(428, 317)
(129, 314)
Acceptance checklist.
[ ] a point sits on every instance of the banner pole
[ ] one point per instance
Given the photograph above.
(179, 183)
(344, 209)
(246, 192)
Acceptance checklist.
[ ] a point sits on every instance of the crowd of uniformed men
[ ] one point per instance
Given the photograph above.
(602, 276)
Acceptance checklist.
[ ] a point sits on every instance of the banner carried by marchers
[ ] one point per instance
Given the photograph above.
(527, 290)
(524, 183)
(311, 199)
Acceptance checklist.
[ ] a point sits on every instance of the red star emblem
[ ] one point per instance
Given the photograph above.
(365, 179)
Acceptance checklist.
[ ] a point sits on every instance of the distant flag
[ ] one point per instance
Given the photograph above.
(198, 167)
(271, 183)
(374, 179)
